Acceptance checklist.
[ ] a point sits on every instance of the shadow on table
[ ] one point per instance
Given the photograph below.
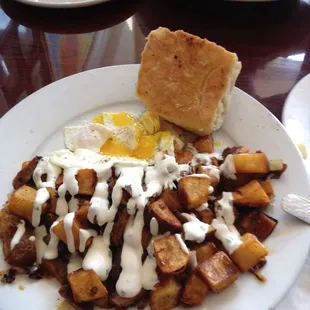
(73, 20)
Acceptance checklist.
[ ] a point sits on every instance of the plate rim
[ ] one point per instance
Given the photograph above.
(53, 4)
(17, 106)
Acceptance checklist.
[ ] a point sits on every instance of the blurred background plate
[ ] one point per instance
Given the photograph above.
(62, 3)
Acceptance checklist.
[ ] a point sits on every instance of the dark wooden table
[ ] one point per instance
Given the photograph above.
(39, 46)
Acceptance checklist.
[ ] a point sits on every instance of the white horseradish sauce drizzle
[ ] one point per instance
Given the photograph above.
(182, 243)
(42, 197)
(228, 168)
(75, 263)
(224, 208)
(18, 234)
(40, 232)
(194, 229)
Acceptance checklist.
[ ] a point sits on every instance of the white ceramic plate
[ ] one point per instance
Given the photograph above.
(62, 3)
(35, 127)
(296, 115)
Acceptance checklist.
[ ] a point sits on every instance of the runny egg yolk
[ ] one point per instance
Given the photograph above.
(146, 144)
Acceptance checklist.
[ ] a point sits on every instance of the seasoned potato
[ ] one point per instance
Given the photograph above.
(25, 174)
(21, 202)
(121, 302)
(52, 201)
(268, 188)
(258, 224)
(251, 163)
(251, 195)
(66, 292)
(119, 226)
(235, 150)
(205, 251)
(81, 214)
(218, 271)
(169, 255)
(8, 224)
(166, 295)
(57, 268)
(194, 291)
(172, 200)
(249, 253)
(102, 302)
(23, 254)
(87, 179)
(205, 216)
(204, 144)
(183, 157)
(59, 180)
(146, 237)
(86, 285)
(166, 219)
(212, 172)
(194, 191)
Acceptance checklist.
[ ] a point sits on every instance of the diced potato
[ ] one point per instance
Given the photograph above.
(66, 293)
(183, 157)
(169, 254)
(277, 174)
(268, 188)
(249, 253)
(166, 219)
(166, 295)
(194, 291)
(205, 251)
(146, 237)
(235, 150)
(8, 224)
(81, 214)
(205, 216)
(251, 163)
(102, 302)
(87, 179)
(251, 195)
(204, 144)
(25, 174)
(21, 202)
(121, 302)
(57, 268)
(194, 191)
(258, 224)
(48, 219)
(211, 173)
(172, 200)
(275, 165)
(218, 271)
(59, 180)
(52, 201)
(86, 285)
(23, 254)
(119, 226)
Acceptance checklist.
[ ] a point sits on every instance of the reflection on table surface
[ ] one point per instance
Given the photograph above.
(39, 46)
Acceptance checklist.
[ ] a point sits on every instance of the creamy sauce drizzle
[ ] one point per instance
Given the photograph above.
(194, 229)
(224, 208)
(75, 263)
(42, 197)
(18, 234)
(228, 168)
(154, 226)
(205, 158)
(68, 222)
(41, 246)
(84, 235)
(52, 250)
(203, 207)
(182, 243)
(193, 259)
(149, 274)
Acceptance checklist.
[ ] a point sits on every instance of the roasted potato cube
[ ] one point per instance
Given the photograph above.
(169, 254)
(172, 200)
(218, 271)
(23, 254)
(25, 174)
(59, 180)
(204, 144)
(66, 292)
(8, 224)
(146, 237)
(183, 157)
(268, 188)
(87, 179)
(251, 195)
(21, 202)
(205, 251)
(102, 302)
(57, 268)
(194, 291)
(121, 302)
(52, 201)
(119, 226)
(194, 191)
(249, 253)
(251, 163)
(258, 224)
(166, 219)
(86, 285)
(81, 214)
(205, 216)
(166, 295)
(235, 150)
(212, 172)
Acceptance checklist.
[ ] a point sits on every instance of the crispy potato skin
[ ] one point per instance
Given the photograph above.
(218, 272)
(87, 179)
(121, 302)
(57, 268)
(235, 150)
(166, 295)
(119, 226)
(205, 251)
(183, 157)
(194, 191)
(8, 224)
(66, 292)
(172, 200)
(169, 255)
(86, 285)
(204, 144)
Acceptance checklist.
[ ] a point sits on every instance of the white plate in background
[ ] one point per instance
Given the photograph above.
(35, 126)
